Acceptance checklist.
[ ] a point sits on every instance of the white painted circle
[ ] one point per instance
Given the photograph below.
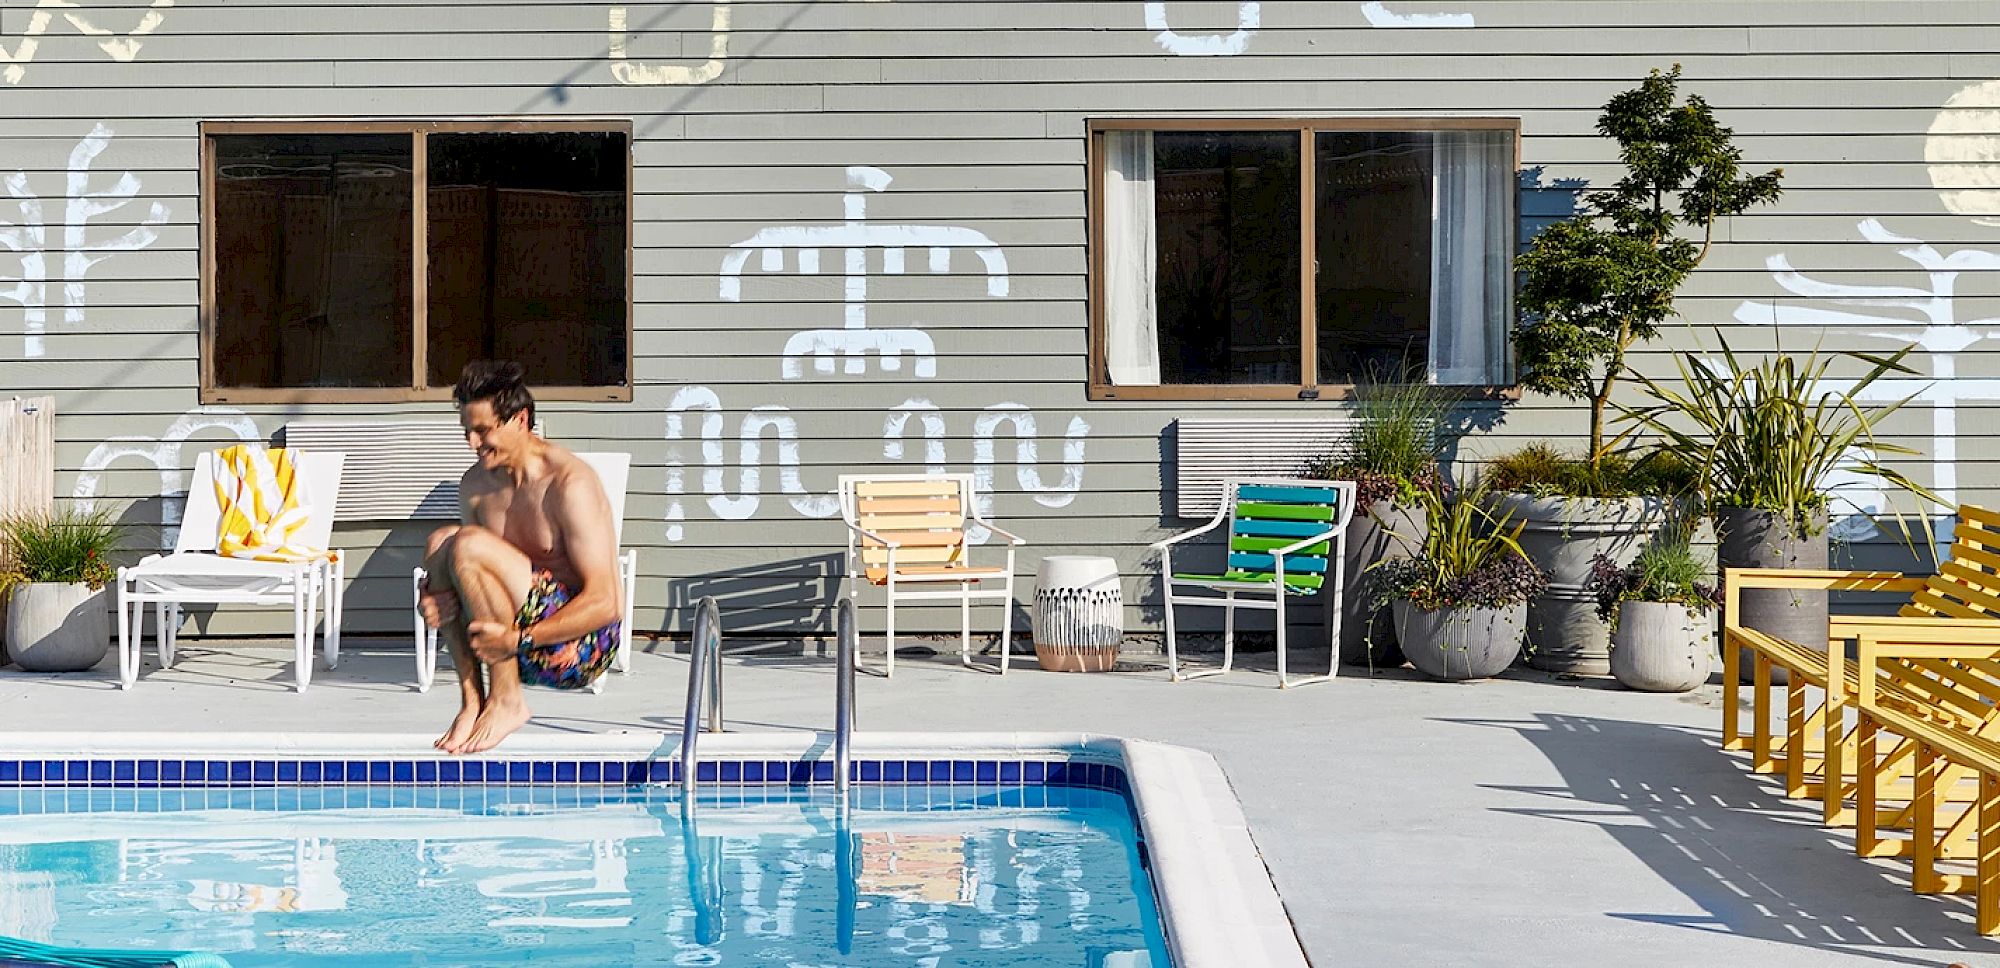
(1963, 151)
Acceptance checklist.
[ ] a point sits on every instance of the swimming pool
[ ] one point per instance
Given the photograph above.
(1001, 850)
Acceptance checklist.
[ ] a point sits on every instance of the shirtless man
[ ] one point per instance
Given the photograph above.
(526, 586)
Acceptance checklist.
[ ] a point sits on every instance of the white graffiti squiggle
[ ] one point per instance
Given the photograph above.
(855, 237)
(1936, 329)
(1027, 459)
(641, 73)
(122, 47)
(1381, 16)
(29, 237)
(744, 501)
(164, 453)
(1249, 17)
(750, 473)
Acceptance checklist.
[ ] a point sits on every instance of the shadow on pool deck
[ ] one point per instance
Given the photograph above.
(1760, 865)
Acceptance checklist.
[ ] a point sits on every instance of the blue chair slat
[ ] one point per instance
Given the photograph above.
(1276, 494)
(1293, 563)
(1279, 529)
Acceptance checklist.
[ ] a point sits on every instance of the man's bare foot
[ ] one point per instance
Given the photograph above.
(496, 722)
(461, 729)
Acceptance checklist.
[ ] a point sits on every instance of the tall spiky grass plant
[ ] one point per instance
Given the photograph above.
(70, 545)
(1769, 435)
(1397, 449)
(1470, 557)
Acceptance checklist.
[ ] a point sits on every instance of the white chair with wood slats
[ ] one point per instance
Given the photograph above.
(613, 471)
(907, 534)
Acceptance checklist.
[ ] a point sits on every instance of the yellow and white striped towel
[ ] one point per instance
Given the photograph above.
(260, 493)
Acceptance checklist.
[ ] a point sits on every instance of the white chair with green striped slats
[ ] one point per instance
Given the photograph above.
(907, 533)
(1285, 540)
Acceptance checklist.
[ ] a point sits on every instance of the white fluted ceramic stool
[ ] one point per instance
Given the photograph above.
(1079, 616)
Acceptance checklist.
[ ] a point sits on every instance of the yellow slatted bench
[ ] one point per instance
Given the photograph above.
(1962, 590)
(1953, 666)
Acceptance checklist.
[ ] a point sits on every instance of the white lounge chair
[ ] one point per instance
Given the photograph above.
(909, 530)
(195, 574)
(613, 470)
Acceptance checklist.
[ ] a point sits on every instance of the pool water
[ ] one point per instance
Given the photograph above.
(584, 875)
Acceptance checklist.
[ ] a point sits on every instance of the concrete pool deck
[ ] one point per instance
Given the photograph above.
(1521, 821)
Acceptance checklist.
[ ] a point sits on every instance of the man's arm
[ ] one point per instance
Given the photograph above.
(584, 516)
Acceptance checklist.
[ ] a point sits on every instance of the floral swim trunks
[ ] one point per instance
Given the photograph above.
(562, 665)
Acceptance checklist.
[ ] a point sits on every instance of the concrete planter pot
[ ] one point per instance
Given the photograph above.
(1561, 535)
(1460, 643)
(1750, 538)
(1379, 532)
(57, 627)
(1662, 646)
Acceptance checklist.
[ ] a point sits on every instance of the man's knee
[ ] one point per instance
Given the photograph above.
(438, 538)
(474, 547)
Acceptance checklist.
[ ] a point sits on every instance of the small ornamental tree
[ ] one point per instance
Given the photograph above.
(1599, 283)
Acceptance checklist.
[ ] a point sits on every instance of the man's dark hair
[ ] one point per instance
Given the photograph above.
(501, 383)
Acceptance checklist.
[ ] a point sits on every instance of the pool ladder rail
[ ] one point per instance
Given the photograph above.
(704, 676)
(847, 649)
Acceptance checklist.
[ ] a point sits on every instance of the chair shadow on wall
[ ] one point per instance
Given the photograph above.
(781, 610)
(1758, 865)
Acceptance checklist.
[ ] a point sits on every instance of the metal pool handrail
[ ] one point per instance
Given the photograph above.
(848, 645)
(704, 670)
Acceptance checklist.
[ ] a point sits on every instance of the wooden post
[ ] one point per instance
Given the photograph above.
(27, 469)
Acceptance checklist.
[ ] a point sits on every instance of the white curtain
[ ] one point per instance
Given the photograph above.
(1471, 266)
(1131, 311)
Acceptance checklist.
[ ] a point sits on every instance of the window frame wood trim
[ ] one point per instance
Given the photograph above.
(419, 390)
(1100, 387)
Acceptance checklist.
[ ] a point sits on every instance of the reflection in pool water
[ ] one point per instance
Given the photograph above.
(963, 875)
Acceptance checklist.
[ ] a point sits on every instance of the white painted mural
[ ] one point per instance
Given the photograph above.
(121, 46)
(28, 238)
(1381, 16)
(847, 351)
(1962, 149)
(629, 71)
(857, 239)
(162, 453)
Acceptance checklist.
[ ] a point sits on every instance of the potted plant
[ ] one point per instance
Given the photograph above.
(1393, 460)
(1764, 440)
(1461, 602)
(1592, 288)
(56, 616)
(1661, 609)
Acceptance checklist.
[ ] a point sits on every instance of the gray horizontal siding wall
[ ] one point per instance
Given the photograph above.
(977, 111)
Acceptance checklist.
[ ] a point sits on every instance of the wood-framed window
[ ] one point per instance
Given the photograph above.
(368, 261)
(1211, 280)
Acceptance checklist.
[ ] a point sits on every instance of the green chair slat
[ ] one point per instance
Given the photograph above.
(1296, 584)
(1247, 543)
(1284, 512)
(1287, 494)
(1279, 529)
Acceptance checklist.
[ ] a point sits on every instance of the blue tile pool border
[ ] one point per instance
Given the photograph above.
(177, 773)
